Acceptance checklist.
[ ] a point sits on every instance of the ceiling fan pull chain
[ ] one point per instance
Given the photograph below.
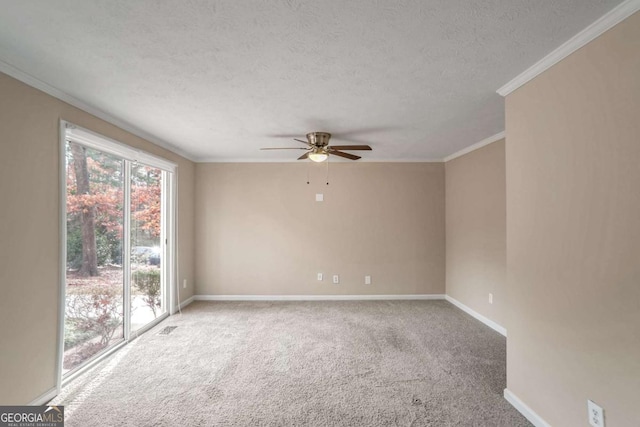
(327, 171)
(307, 173)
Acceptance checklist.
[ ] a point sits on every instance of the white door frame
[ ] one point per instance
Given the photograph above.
(129, 154)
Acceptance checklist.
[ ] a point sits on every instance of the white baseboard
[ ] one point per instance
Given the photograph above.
(186, 302)
(490, 323)
(44, 398)
(528, 413)
(317, 297)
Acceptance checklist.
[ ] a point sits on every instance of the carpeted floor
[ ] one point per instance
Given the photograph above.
(325, 363)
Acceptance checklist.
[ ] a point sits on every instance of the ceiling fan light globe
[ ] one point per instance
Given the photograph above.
(318, 157)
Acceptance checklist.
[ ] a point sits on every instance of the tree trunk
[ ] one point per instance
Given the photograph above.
(88, 215)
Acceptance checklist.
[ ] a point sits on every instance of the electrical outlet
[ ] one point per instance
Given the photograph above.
(367, 280)
(490, 298)
(184, 284)
(596, 414)
(320, 276)
(336, 279)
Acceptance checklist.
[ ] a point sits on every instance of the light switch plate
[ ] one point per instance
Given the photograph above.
(320, 276)
(319, 197)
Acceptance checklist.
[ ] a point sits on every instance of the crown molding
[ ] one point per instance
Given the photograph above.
(240, 160)
(604, 23)
(486, 141)
(36, 83)
(403, 161)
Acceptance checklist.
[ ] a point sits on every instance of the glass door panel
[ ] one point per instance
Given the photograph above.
(94, 301)
(147, 248)
(119, 258)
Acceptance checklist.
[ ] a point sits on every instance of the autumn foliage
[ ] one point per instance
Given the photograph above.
(145, 201)
(106, 197)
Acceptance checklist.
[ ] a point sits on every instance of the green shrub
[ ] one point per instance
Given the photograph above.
(93, 314)
(108, 245)
(85, 352)
(74, 245)
(73, 336)
(148, 282)
(96, 310)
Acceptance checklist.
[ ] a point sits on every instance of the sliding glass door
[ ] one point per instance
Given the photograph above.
(95, 297)
(147, 294)
(118, 262)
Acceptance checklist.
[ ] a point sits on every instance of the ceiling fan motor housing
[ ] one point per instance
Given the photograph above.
(319, 139)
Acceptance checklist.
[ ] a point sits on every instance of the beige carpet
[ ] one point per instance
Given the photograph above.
(330, 363)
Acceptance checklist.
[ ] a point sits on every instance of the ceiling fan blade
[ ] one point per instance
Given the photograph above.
(299, 140)
(341, 154)
(284, 148)
(350, 147)
(304, 156)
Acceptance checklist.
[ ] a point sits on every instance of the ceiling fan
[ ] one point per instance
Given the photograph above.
(318, 148)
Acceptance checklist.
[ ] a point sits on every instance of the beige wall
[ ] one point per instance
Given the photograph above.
(260, 230)
(476, 230)
(29, 229)
(573, 234)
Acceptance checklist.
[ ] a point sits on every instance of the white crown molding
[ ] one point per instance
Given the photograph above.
(522, 407)
(36, 83)
(317, 297)
(238, 160)
(403, 161)
(604, 23)
(477, 145)
(490, 323)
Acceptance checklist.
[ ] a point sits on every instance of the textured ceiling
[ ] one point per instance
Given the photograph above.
(220, 79)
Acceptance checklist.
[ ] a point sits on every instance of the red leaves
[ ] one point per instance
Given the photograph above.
(145, 207)
(107, 198)
(107, 203)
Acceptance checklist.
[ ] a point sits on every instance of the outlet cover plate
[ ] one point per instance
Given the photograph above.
(596, 414)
